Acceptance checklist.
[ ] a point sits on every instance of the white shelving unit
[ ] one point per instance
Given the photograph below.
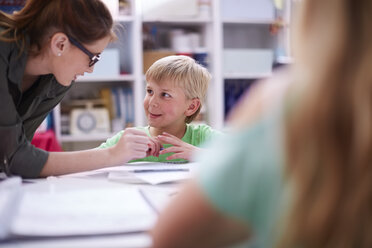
(245, 75)
(217, 33)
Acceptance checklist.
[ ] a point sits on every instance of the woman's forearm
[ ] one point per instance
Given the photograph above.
(59, 163)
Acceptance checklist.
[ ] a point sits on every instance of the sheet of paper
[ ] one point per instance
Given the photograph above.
(125, 173)
(93, 173)
(158, 198)
(150, 177)
(163, 177)
(137, 240)
(83, 212)
(103, 173)
(10, 196)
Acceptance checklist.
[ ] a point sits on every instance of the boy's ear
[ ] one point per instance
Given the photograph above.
(193, 107)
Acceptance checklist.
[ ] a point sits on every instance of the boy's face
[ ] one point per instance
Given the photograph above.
(166, 105)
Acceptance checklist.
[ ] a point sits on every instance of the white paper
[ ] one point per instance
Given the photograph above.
(10, 195)
(125, 173)
(159, 198)
(138, 240)
(163, 177)
(83, 212)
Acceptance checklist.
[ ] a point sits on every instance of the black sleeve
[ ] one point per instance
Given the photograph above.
(49, 101)
(16, 151)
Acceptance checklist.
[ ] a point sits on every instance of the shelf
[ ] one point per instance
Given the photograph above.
(118, 78)
(246, 75)
(285, 60)
(249, 21)
(86, 138)
(195, 20)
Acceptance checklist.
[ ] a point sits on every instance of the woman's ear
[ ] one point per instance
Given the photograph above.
(58, 43)
(193, 107)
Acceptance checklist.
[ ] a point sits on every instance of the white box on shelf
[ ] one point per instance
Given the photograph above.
(169, 8)
(89, 121)
(247, 9)
(248, 61)
(108, 66)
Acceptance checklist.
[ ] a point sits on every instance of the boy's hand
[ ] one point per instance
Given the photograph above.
(133, 144)
(181, 149)
(154, 147)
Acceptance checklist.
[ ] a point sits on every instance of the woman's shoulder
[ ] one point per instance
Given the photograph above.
(13, 48)
(6, 47)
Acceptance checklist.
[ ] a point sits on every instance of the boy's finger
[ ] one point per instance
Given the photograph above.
(174, 149)
(153, 148)
(170, 140)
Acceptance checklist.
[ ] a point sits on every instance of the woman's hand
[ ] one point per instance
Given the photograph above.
(180, 149)
(133, 144)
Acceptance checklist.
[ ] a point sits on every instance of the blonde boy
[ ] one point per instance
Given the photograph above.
(175, 90)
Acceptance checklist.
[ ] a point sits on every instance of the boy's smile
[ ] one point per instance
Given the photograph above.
(151, 115)
(165, 106)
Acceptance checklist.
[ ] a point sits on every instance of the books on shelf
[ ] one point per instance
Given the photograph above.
(120, 103)
(234, 89)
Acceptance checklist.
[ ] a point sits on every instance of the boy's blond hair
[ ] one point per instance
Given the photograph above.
(185, 73)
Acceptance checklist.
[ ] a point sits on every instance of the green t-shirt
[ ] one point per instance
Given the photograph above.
(242, 176)
(195, 135)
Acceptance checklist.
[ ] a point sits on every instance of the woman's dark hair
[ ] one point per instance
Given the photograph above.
(85, 20)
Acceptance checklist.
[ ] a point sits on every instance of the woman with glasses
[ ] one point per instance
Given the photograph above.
(297, 173)
(43, 48)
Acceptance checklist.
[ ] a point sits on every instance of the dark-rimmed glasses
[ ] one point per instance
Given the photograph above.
(94, 58)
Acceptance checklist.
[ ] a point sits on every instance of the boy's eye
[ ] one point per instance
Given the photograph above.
(149, 91)
(166, 94)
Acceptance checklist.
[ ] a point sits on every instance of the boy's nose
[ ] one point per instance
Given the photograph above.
(154, 102)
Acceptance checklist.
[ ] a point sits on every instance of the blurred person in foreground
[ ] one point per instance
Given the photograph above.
(298, 168)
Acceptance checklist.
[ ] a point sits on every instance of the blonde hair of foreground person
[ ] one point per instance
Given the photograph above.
(328, 141)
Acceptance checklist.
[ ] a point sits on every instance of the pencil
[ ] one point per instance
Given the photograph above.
(158, 170)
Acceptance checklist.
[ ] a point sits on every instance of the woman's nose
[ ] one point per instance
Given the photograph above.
(90, 69)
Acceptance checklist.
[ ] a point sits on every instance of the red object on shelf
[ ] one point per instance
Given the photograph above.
(185, 54)
(46, 141)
